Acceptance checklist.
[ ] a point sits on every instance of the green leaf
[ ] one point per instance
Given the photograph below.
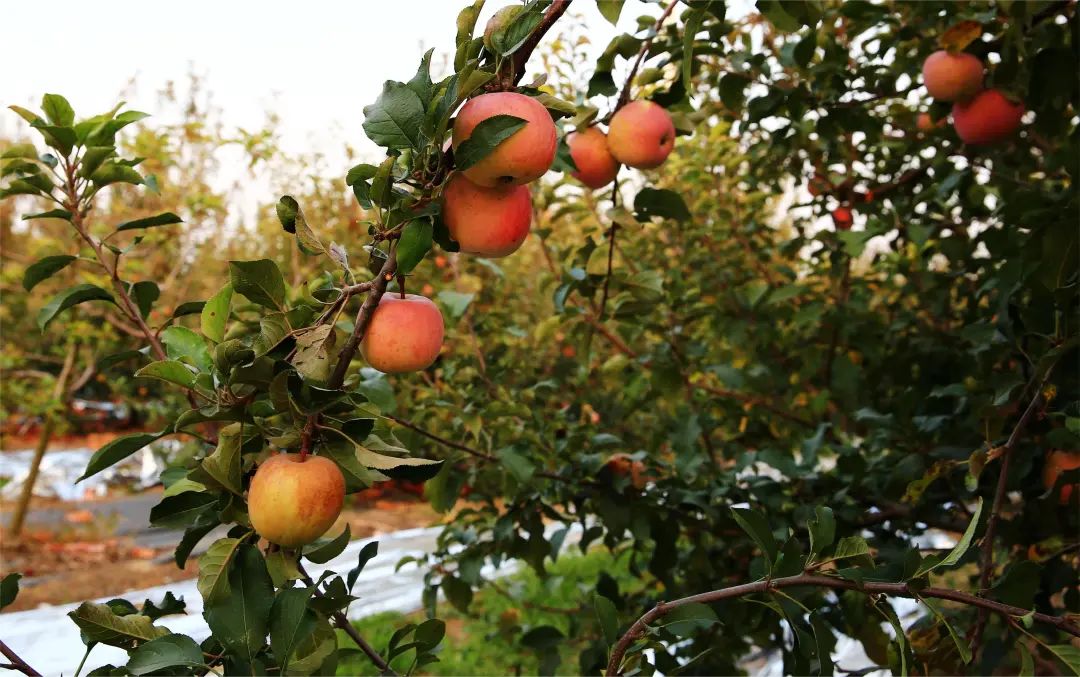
(188, 308)
(20, 151)
(214, 579)
(258, 281)
(395, 119)
(169, 651)
(608, 617)
(324, 550)
(169, 606)
(291, 623)
(961, 646)
(485, 138)
(114, 172)
(282, 566)
(313, 347)
(99, 623)
(181, 510)
(1067, 654)
(45, 268)
(1018, 585)
(1027, 665)
(959, 549)
(93, 157)
(663, 203)
(144, 293)
(215, 314)
(757, 527)
(169, 370)
(823, 643)
(850, 546)
(165, 219)
(204, 524)
(51, 214)
(58, 110)
(292, 220)
(414, 244)
(9, 589)
(456, 303)
(421, 82)
(366, 554)
(610, 10)
(80, 293)
(224, 463)
(311, 654)
(117, 450)
(240, 618)
(689, 619)
(822, 530)
(692, 21)
(466, 24)
(60, 137)
(458, 592)
(519, 465)
(29, 116)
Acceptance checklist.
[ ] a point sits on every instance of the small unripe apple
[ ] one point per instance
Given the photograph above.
(641, 135)
(498, 21)
(988, 118)
(952, 77)
(1058, 462)
(523, 157)
(925, 123)
(491, 222)
(842, 218)
(404, 334)
(596, 167)
(292, 502)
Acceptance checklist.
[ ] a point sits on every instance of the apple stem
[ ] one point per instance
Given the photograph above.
(401, 285)
(305, 438)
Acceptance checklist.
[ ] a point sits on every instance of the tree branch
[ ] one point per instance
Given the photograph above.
(16, 662)
(363, 319)
(637, 630)
(514, 68)
(986, 560)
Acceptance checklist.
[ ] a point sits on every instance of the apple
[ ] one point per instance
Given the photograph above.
(1058, 462)
(596, 167)
(404, 334)
(952, 77)
(499, 20)
(641, 135)
(842, 218)
(491, 222)
(523, 157)
(292, 500)
(988, 118)
(925, 123)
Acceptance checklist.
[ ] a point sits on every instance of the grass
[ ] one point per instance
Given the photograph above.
(487, 640)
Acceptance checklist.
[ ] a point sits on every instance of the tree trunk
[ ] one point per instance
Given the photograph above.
(48, 426)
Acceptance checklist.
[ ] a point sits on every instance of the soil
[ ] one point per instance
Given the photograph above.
(75, 564)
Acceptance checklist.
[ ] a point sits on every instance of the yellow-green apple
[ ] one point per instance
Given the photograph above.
(486, 221)
(990, 117)
(596, 167)
(641, 134)
(404, 334)
(952, 77)
(293, 500)
(499, 20)
(523, 157)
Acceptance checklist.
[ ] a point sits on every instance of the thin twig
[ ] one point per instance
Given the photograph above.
(514, 68)
(16, 662)
(986, 559)
(363, 319)
(624, 95)
(637, 630)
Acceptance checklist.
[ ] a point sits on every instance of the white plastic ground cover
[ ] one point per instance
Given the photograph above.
(49, 641)
(62, 467)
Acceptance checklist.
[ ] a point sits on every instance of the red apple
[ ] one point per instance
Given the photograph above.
(641, 134)
(292, 502)
(988, 118)
(843, 218)
(952, 77)
(523, 157)
(490, 222)
(404, 334)
(596, 167)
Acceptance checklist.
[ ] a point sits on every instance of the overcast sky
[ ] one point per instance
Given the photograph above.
(316, 63)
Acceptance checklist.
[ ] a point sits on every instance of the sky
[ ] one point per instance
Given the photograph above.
(316, 64)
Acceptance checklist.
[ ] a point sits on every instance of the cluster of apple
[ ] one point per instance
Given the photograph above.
(487, 209)
(980, 116)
